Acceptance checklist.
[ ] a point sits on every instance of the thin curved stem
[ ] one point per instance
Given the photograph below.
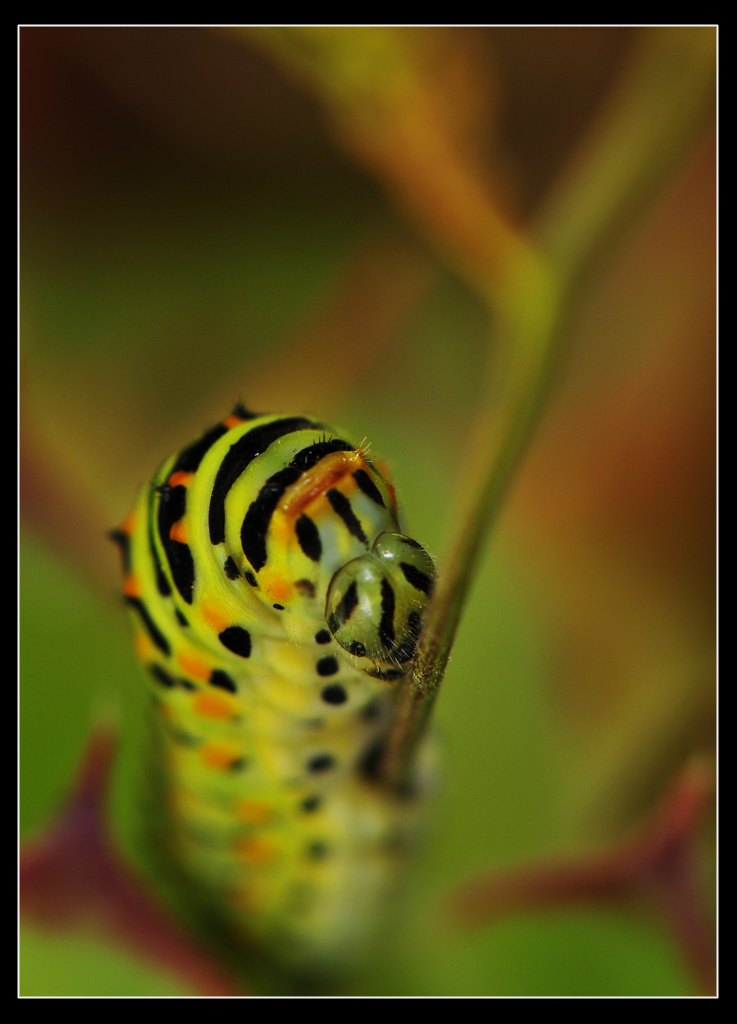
(662, 103)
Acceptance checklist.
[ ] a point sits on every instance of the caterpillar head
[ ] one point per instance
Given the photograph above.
(376, 603)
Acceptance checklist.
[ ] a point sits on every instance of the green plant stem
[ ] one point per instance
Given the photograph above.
(661, 104)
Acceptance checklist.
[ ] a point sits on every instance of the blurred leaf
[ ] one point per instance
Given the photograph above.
(72, 879)
(58, 965)
(657, 868)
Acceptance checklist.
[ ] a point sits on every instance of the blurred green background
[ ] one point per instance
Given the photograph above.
(193, 233)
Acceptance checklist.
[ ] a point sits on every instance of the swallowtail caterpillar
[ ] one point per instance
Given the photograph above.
(275, 604)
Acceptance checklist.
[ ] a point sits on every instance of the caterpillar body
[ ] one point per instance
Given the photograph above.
(275, 604)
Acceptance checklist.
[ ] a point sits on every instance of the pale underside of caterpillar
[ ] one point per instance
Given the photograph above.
(275, 605)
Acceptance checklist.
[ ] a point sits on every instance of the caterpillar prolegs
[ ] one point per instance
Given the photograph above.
(275, 604)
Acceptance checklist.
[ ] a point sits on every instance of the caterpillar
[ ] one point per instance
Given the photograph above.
(275, 605)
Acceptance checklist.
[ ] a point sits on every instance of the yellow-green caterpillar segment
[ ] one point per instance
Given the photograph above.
(275, 604)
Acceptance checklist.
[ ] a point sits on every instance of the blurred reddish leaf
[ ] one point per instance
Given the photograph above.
(657, 868)
(72, 878)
